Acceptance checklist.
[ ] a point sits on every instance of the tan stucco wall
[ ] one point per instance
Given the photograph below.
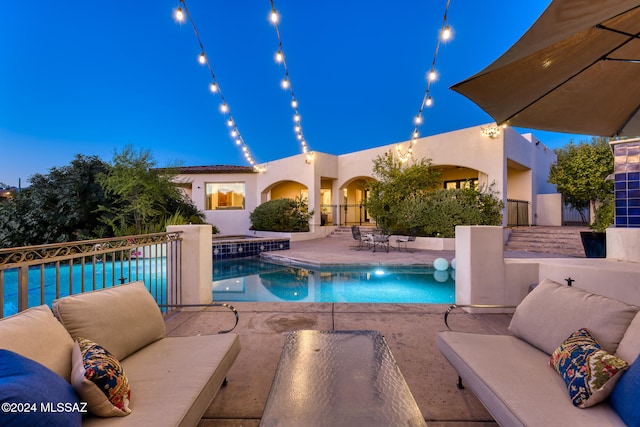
(466, 148)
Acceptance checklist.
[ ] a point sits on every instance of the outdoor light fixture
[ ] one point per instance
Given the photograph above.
(446, 33)
(429, 102)
(285, 83)
(432, 75)
(294, 103)
(213, 87)
(279, 56)
(223, 107)
(202, 59)
(179, 14)
(490, 131)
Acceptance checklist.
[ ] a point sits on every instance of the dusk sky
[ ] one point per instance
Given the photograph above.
(87, 77)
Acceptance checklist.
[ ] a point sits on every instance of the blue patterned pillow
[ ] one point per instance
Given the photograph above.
(99, 379)
(33, 395)
(626, 395)
(589, 372)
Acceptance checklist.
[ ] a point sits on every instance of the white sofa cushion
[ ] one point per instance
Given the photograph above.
(629, 347)
(122, 319)
(515, 383)
(36, 334)
(552, 312)
(174, 380)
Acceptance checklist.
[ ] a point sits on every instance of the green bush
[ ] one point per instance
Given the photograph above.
(287, 215)
(436, 213)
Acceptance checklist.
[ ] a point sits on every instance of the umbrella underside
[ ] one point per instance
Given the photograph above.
(586, 82)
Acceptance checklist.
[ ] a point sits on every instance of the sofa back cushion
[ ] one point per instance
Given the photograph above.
(36, 334)
(122, 319)
(552, 312)
(629, 347)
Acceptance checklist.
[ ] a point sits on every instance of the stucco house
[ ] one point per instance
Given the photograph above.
(335, 185)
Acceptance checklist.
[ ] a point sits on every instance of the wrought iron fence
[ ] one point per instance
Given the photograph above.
(517, 212)
(354, 214)
(35, 275)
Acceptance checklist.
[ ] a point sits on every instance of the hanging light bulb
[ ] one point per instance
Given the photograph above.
(202, 59)
(299, 136)
(274, 16)
(179, 14)
(297, 128)
(415, 134)
(294, 103)
(238, 141)
(285, 83)
(432, 75)
(446, 33)
(296, 117)
(234, 133)
(429, 102)
(213, 87)
(279, 56)
(230, 122)
(223, 107)
(418, 119)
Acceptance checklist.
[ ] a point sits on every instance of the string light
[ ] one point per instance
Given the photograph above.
(180, 13)
(427, 101)
(286, 84)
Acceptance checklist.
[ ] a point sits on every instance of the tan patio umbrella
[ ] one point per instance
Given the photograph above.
(576, 70)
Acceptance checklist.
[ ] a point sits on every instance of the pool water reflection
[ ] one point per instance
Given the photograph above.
(255, 280)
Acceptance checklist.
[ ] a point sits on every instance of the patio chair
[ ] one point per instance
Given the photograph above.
(362, 241)
(404, 240)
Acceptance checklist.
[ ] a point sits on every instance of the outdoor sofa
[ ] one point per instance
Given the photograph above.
(511, 374)
(172, 380)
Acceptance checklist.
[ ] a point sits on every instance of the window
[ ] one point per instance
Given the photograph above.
(461, 183)
(224, 196)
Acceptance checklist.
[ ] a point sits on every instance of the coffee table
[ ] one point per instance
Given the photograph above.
(339, 378)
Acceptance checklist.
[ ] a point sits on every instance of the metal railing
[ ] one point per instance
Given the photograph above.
(354, 214)
(517, 212)
(35, 275)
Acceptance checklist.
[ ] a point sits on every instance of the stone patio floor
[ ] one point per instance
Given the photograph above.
(408, 328)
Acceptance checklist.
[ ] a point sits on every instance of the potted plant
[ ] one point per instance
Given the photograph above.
(594, 242)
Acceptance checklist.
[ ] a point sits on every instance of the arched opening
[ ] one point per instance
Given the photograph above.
(353, 195)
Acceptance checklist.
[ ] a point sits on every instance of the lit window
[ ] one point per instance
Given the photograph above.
(224, 196)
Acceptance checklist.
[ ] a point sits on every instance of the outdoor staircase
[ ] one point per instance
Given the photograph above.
(344, 232)
(554, 240)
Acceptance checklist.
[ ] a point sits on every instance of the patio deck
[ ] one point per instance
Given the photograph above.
(408, 328)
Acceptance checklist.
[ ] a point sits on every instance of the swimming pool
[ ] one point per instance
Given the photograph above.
(256, 280)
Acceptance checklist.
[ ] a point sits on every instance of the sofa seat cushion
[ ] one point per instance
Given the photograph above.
(41, 397)
(174, 380)
(36, 334)
(122, 319)
(507, 375)
(552, 312)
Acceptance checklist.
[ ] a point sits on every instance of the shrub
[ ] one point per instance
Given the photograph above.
(281, 215)
(436, 213)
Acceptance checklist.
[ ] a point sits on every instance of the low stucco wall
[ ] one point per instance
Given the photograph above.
(483, 276)
(427, 243)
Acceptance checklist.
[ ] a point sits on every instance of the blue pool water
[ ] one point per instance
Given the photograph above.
(256, 280)
(149, 270)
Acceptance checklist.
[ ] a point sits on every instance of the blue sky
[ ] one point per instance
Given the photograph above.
(85, 77)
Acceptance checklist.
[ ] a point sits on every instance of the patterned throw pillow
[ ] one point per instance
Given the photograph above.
(99, 379)
(589, 372)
